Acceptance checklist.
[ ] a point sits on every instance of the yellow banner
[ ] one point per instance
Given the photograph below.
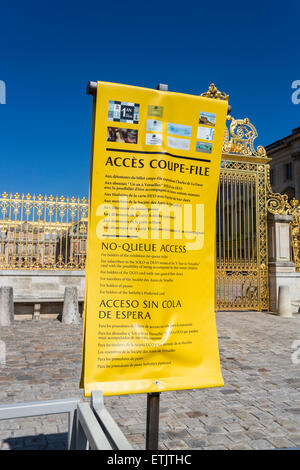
(149, 321)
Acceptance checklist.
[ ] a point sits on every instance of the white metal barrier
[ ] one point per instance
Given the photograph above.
(90, 426)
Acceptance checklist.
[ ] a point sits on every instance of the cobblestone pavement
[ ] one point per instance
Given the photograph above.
(258, 408)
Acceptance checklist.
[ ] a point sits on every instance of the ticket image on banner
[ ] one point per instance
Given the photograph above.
(153, 125)
(205, 133)
(149, 321)
(180, 130)
(123, 112)
(119, 134)
(209, 119)
(205, 147)
(177, 143)
(156, 111)
(154, 139)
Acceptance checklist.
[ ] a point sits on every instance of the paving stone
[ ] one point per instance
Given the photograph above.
(241, 446)
(196, 443)
(134, 428)
(49, 428)
(294, 438)
(281, 442)
(195, 414)
(176, 445)
(136, 438)
(216, 447)
(233, 427)
(8, 425)
(175, 425)
(261, 444)
(214, 430)
(255, 435)
(217, 439)
(178, 434)
(22, 432)
(198, 433)
(237, 436)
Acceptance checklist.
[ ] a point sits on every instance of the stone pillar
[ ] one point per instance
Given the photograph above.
(70, 309)
(36, 312)
(6, 305)
(284, 302)
(279, 250)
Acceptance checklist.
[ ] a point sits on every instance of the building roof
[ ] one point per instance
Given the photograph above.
(285, 140)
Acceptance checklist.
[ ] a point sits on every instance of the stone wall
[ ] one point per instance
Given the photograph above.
(41, 288)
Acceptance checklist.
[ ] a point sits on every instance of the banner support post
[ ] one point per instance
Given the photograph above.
(91, 88)
(152, 427)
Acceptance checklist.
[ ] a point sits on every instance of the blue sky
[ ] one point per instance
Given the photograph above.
(50, 50)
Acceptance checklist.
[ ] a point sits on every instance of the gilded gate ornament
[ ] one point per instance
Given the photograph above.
(213, 92)
(239, 138)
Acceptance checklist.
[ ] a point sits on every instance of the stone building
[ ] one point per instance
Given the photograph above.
(285, 164)
(42, 245)
(22, 242)
(71, 247)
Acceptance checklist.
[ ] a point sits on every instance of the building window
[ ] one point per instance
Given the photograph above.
(290, 192)
(288, 171)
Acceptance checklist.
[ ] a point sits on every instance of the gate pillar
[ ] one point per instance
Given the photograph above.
(279, 250)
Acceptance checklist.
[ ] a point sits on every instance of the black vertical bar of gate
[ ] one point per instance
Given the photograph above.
(152, 427)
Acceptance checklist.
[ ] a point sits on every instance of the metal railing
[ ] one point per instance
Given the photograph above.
(90, 426)
(96, 429)
(26, 410)
(40, 232)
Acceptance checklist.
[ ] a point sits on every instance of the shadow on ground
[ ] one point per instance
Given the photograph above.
(58, 441)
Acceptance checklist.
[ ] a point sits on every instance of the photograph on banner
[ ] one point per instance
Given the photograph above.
(153, 125)
(154, 139)
(156, 111)
(177, 143)
(209, 119)
(204, 147)
(179, 130)
(123, 112)
(119, 134)
(205, 133)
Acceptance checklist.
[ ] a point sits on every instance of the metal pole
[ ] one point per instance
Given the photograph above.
(91, 88)
(152, 427)
(162, 87)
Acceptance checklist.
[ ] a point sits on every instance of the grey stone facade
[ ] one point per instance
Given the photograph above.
(46, 288)
(285, 164)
